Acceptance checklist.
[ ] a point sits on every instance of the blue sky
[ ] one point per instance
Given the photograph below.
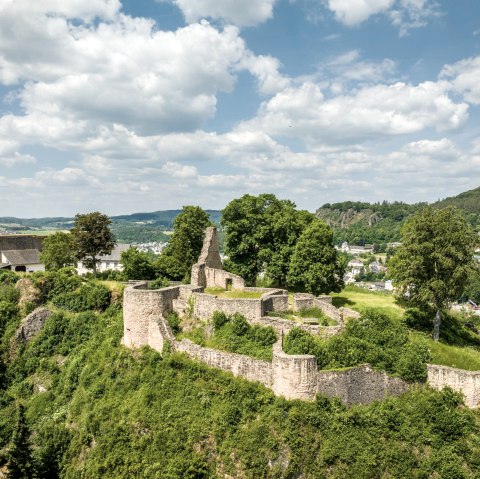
(144, 105)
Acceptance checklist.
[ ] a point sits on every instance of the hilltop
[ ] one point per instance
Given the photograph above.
(361, 222)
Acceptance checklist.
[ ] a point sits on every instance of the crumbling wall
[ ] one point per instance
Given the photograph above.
(206, 304)
(210, 254)
(294, 376)
(359, 385)
(239, 365)
(466, 382)
(219, 277)
(141, 307)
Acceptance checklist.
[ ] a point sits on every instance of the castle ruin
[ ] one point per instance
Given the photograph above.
(290, 376)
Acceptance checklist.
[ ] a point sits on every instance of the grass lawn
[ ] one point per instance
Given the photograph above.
(234, 293)
(360, 299)
(449, 355)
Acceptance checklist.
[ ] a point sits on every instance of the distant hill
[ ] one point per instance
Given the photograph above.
(380, 223)
(134, 228)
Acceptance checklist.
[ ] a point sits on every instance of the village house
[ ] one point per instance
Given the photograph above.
(109, 262)
(21, 253)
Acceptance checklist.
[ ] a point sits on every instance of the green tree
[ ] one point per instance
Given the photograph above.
(58, 251)
(315, 265)
(185, 244)
(137, 264)
(432, 266)
(21, 464)
(261, 233)
(92, 238)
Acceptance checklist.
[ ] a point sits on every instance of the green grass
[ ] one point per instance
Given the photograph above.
(360, 299)
(234, 293)
(449, 355)
(298, 316)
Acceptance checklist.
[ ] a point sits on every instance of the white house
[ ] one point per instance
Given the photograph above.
(27, 260)
(107, 262)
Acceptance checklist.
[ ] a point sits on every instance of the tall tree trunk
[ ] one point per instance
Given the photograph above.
(436, 324)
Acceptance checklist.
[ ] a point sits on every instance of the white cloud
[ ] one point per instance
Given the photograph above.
(371, 112)
(241, 13)
(404, 14)
(349, 67)
(464, 76)
(354, 12)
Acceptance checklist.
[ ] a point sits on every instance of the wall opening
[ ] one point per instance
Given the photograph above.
(229, 284)
(21, 268)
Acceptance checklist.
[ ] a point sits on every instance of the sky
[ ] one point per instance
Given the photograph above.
(144, 105)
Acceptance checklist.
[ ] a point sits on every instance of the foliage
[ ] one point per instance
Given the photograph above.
(21, 463)
(8, 277)
(261, 233)
(174, 322)
(89, 296)
(315, 266)
(374, 338)
(232, 332)
(185, 244)
(137, 264)
(158, 283)
(9, 293)
(58, 251)
(431, 267)
(92, 238)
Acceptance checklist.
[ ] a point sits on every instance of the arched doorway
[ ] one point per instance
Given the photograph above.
(21, 269)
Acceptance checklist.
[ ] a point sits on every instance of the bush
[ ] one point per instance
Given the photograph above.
(240, 325)
(8, 277)
(8, 311)
(219, 318)
(159, 283)
(9, 293)
(88, 296)
(174, 322)
(262, 335)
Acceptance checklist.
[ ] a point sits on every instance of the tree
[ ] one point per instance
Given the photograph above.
(21, 464)
(432, 265)
(315, 265)
(92, 238)
(185, 244)
(137, 264)
(261, 233)
(58, 251)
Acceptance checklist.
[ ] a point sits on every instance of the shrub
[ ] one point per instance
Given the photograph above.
(9, 293)
(174, 322)
(158, 283)
(219, 318)
(88, 296)
(240, 325)
(8, 311)
(262, 335)
(8, 277)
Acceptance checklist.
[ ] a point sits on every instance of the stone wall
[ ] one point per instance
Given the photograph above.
(239, 365)
(466, 382)
(210, 254)
(219, 277)
(281, 325)
(294, 376)
(359, 385)
(305, 300)
(206, 304)
(142, 308)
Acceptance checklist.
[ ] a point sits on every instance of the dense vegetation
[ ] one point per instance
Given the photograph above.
(94, 409)
(375, 339)
(233, 333)
(380, 223)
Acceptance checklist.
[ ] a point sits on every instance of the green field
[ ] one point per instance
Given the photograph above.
(360, 299)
